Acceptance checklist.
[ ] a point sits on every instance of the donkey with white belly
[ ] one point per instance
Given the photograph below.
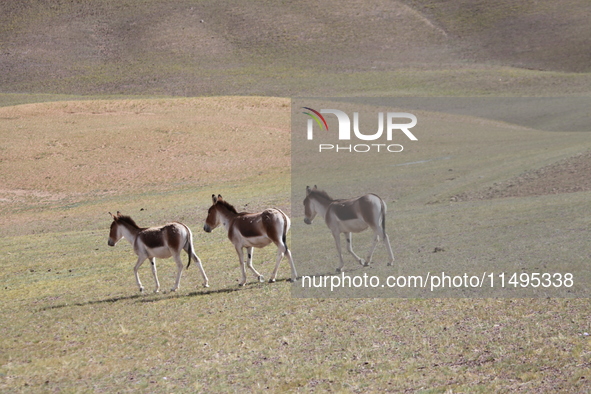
(349, 216)
(151, 242)
(252, 230)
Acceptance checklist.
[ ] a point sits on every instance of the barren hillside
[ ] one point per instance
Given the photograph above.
(191, 48)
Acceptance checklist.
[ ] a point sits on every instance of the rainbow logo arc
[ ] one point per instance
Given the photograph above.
(317, 117)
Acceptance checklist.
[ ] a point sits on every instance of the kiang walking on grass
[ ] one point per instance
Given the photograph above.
(252, 230)
(156, 242)
(348, 216)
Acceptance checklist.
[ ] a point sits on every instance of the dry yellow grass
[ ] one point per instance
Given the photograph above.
(68, 153)
(51, 150)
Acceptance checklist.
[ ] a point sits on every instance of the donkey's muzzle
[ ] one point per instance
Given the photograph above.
(110, 242)
(307, 221)
(206, 228)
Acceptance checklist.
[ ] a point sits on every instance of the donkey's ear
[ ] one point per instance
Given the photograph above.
(308, 190)
(220, 197)
(113, 216)
(315, 187)
(214, 198)
(119, 214)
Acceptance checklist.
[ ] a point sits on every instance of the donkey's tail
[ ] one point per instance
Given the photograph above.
(384, 209)
(190, 249)
(189, 243)
(286, 225)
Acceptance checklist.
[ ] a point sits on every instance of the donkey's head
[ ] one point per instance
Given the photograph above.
(309, 206)
(213, 217)
(115, 234)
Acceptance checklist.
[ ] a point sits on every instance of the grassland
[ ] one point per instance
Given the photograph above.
(75, 321)
(99, 113)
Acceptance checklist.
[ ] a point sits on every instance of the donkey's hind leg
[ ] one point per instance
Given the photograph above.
(386, 240)
(198, 261)
(294, 273)
(281, 251)
(376, 239)
(179, 271)
(379, 233)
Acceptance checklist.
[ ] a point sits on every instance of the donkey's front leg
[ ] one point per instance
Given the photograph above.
(242, 268)
(140, 261)
(350, 249)
(155, 274)
(337, 239)
(250, 252)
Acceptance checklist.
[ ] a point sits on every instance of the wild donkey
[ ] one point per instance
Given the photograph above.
(349, 216)
(251, 230)
(149, 243)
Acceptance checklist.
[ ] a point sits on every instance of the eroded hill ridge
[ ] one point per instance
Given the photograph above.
(565, 176)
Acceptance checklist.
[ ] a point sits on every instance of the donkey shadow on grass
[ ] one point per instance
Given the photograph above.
(148, 298)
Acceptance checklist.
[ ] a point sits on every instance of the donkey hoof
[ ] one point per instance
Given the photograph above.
(366, 264)
(339, 269)
(271, 280)
(157, 291)
(261, 278)
(141, 289)
(205, 285)
(390, 264)
(363, 262)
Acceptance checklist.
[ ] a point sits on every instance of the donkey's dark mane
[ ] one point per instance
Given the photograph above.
(228, 206)
(321, 193)
(128, 220)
